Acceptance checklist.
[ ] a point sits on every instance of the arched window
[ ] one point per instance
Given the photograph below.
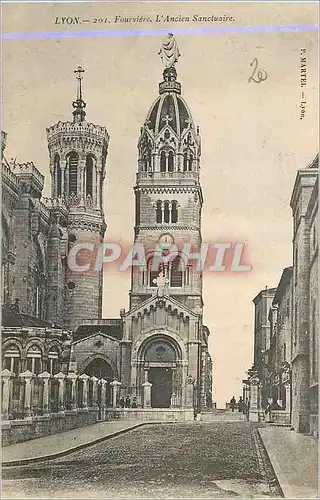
(73, 160)
(166, 213)
(170, 161)
(163, 162)
(187, 161)
(11, 359)
(89, 175)
(174, 212)
(176, 273)
(58, 175)
(159, 212)
(53, 356)
(39, 286)
(34, 356)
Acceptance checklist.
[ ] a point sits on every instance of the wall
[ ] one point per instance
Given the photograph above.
(17, 431)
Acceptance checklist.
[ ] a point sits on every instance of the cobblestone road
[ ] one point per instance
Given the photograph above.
(186, 460)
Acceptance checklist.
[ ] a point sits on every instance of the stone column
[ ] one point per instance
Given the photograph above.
(66, 177)
(103, 384)
(45, 376)
(63, 194)
(95, 381)
(94, 185)
(27, 405)
(6, 376)
(61, 378)
(190, 391)
(147, 394)
(85, 379)
(115, 386)
(287, 387)
(99, 173)
(254, 399)
(73, 377)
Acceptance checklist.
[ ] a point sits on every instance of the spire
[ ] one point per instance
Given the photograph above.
(79, 105)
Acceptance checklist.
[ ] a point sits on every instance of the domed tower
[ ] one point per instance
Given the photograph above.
(78, 153)
(168, 192)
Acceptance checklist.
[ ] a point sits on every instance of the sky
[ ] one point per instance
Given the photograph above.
(253, 140)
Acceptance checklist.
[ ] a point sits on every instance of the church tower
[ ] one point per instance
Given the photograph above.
(78, 152)
(168, 193)
(164, 348)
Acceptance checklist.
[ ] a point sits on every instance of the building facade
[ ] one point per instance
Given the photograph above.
(160, 354)
(156, 352)
(280, 318)
(262, 335)
(288, 377)
(304, 204)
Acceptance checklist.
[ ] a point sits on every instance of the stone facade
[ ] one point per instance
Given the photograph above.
(262, 303)
(279, 357)
(164, 340)
(289, 378)
(304, 204)
(156, 353)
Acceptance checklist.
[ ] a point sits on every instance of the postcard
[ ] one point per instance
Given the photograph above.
(160, 301)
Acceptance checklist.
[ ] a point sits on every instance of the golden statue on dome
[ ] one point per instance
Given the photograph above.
(169, 51)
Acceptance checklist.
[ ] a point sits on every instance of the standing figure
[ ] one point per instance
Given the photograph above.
(169, 51)
(240, 405)
(128, 402)
(134, 403)
(232, 403)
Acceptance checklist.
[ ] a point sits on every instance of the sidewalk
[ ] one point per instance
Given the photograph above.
(294, 458)
(57, 445)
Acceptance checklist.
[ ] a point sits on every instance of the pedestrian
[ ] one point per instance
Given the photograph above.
(134, 403)
(128, 402)
(232, 403)
(240, 405)
(121, 402)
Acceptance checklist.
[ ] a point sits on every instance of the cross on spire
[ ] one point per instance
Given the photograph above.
(79, 105)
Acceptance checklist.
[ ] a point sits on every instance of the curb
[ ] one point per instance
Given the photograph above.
(26, 461)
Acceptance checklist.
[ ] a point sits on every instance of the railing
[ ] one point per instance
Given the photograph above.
(167, 175)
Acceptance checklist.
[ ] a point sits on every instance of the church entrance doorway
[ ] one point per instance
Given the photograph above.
(161, 390)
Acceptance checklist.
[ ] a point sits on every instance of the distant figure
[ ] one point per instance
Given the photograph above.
(15, 307)
(121, 402)
(240, 405)
(134, 403)
(128, 402)
(272, 406)
(232, 403)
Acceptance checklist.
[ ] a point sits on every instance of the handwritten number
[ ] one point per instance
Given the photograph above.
(258, 75)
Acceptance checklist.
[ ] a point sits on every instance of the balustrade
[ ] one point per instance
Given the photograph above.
(28, 395)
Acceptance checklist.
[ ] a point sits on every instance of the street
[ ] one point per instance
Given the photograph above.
(199, 460)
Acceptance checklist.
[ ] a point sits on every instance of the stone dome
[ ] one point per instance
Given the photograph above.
(169, 108)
